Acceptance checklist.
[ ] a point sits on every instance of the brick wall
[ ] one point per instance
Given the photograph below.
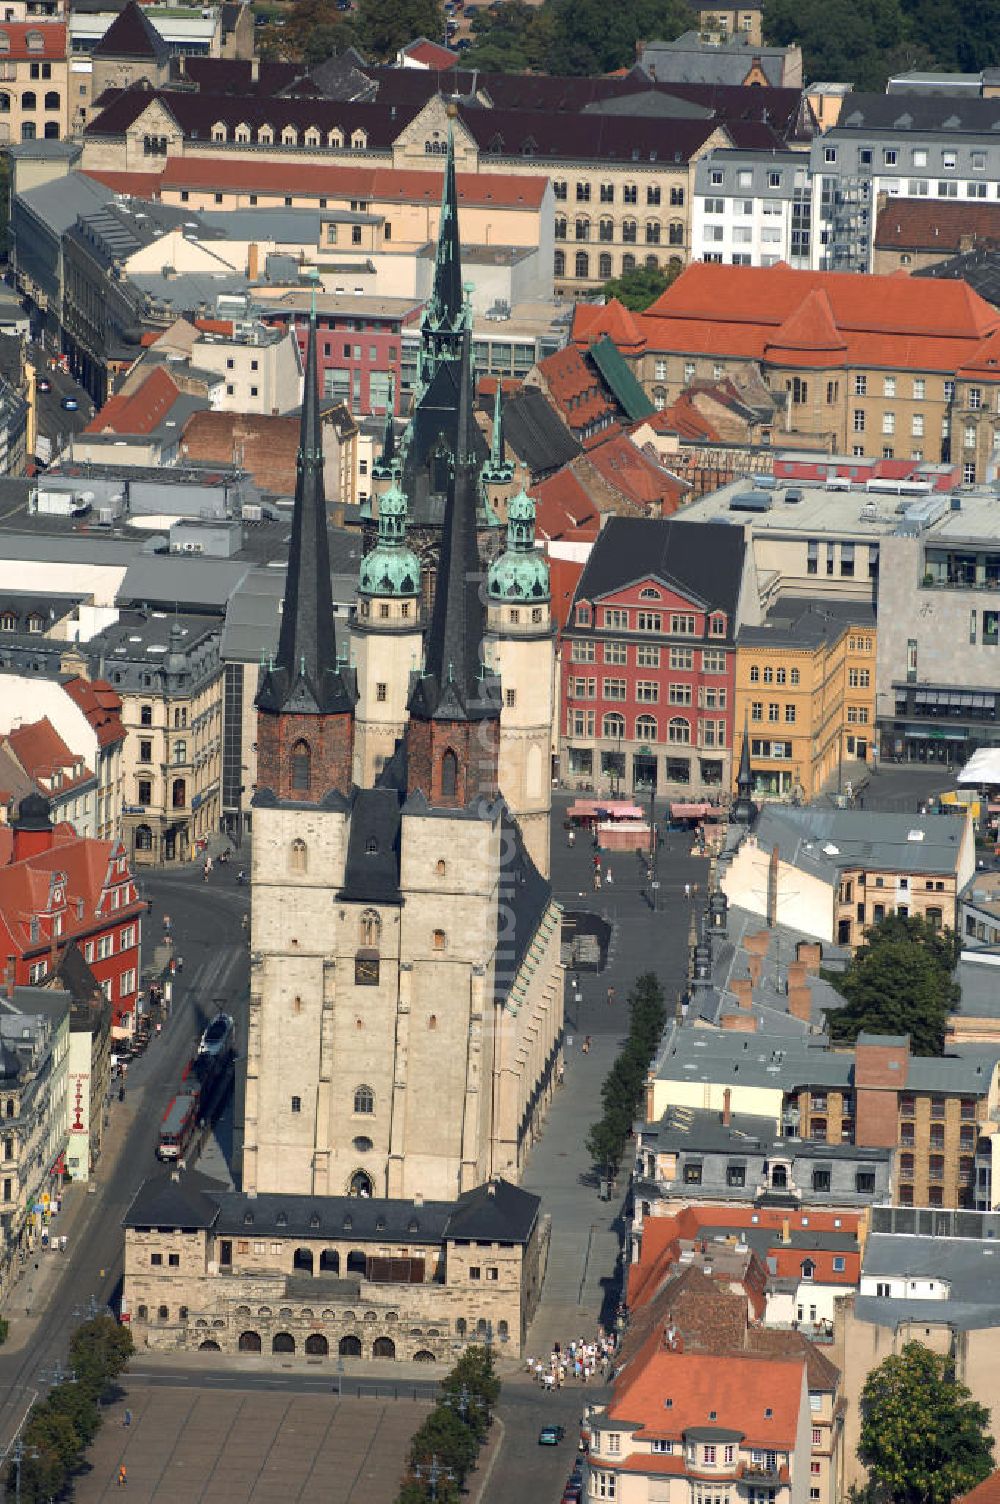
(476, 747)
(330, 740)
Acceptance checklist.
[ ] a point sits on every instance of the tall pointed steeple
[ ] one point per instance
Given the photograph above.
(744, 809)
(447, 760)
(304, 676)
(386, 465)
(305, 704)
(497, 470)
(446, 316)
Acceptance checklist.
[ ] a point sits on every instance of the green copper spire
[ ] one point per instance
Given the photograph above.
(497, 470)
(391, 568)
(520, 573)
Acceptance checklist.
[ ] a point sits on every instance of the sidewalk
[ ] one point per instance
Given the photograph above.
(28, 1296)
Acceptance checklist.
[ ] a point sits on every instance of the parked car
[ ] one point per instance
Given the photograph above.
(551, 1436)
(43, 384)
(70, 404)
(573, 1492)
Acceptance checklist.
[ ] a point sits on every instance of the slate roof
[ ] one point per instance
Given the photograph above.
(918, 113)
(132, 35)
(980, 270)
(196, 113)
(689, 60)
(371, 871)
(826, 841)
(536, 433)
(703, 560)
(190, 1202)
(494, 1213)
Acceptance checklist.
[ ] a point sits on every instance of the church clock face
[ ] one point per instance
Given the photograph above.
(366, 971)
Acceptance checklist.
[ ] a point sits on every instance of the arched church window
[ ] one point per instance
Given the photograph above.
(370, 929)
(301, 767)
(299, 857)
(364, 1100)
(449, 774)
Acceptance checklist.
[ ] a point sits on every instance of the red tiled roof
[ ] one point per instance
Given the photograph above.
(574, 388)
(683, 418)
(628, 470)
(141, 412)
(431, 54)
(25, 888)
(53, 34)
(102, 707)
(883, 321)
(268, 445)
(758, 1396)
(375, 184)
(622, 327)
(941, 225)
(563, 509)
(987, 1492)
(135, 184)
(810, 326)
(661, 1235)
(985, 360)
(44, 755)
(564, 576)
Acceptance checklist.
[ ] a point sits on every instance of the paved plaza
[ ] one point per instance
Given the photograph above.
(188, 1445)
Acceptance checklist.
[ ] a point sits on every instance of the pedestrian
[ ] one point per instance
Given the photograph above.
(695, 890)
(571, 837)
(127, 1418)
(180, 963)
(585, 1047)
(608, 878)
(611, 996)
(122, 1477)
(597, 879)
(687, 890)
(597, 863)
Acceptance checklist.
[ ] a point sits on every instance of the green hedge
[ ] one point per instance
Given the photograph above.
(625, 1083)
(453, 1432)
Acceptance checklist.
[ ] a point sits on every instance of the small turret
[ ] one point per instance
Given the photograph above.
(391, 568)
(520, 573)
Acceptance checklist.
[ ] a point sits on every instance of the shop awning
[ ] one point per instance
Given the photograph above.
(690, 811)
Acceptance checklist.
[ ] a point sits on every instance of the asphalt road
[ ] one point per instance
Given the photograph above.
(208, 933)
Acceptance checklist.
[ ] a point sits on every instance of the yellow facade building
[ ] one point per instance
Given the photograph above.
(805, 691)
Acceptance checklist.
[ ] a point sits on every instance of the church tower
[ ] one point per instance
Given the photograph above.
(520, 649)
(386, 641)
(498, 472)
(305, 734)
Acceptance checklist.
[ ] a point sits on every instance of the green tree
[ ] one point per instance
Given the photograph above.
(639, 288)
(386, 25)
(848, 39)
(899, 982)
(924, 1440)
(588, 37)
(445, 1435)
(313, 30)
(99, 1351)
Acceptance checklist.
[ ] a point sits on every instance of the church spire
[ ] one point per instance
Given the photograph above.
(304, 677)
(744, 810)
(446, 316)
(385, 466)
(454, 686)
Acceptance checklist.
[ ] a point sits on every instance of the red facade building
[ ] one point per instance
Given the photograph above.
(648, 660)
(57, 887)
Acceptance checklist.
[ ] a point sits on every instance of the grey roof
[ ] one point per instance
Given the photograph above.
(980, 268)
(188, 1200)
(190, 290)
(701, 560)
(919, 113)
(59, 203)
(825, 841)
(979, 982)
(689, 60)
(794, 622)
(536, 433)
(371, 871)
(970, 1265)
(362, 1219)
(494, 1213)
(46, 151)
(169, 580)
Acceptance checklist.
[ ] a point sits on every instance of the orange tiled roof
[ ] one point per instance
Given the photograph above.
(53, 34)
(628, 470)
(136, 184)
(751, 312)
(141, 412)
(431, 54)
(683, 418)
(622, 327)
(102, 707)
(740, 1388)
(44, 755)
(25, 887)
(563, 509)
(376, 184)
(574, 388)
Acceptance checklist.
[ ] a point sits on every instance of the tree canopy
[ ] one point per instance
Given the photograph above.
(899, 982)
(924, 1439)
(621, 1094)
(638, 288)
(314, 30)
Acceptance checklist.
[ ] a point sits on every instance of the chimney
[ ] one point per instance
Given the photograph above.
(800, 1002)
(650, 1078)
(255, 70)
(772, 888)
(741, 1023)
(786, 1231)
(727, 1099)
(743, 989)
(756, 966)
(253, 261)
(810, 953)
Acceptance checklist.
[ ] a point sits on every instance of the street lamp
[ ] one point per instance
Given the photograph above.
(57, 1375)
(434, 1473)
(340, 1378)
(18, 1452)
